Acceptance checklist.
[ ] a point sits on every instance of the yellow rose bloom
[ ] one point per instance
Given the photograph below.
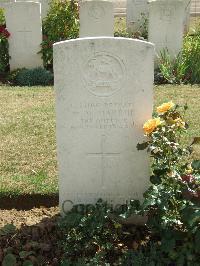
(165, 107)
(151, 125)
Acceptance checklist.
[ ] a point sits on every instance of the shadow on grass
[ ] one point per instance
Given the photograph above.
(27, 201)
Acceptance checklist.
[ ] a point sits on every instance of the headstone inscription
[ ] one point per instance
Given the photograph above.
(103, 97)
(23, 21)
(96, 18)
(136, 13)
(166, 25)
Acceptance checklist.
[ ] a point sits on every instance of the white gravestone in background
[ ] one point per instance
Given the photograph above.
(4, 2)
(186, 24)
(44, 6)
(166, 25)
(23, 21)
(103, 97)
(135, 10)
(96, 18)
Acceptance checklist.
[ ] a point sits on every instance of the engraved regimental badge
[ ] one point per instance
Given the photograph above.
(104, 74)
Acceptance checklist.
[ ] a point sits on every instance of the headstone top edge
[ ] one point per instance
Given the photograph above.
(23, 2)
(97, 1)
(165, 1)
(136, 41)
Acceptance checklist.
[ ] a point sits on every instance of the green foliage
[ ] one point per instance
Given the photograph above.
(143, 26)
(2, 17)
(173, 201)
(4, 35)
(33, 77)
(142, 32)
(9, 260)
(191, 55)
(173, 70)
(7, 230)
(60, 24)
(185, 68)
(91, 236)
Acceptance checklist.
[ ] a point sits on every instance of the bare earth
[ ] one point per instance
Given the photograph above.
(29, 218)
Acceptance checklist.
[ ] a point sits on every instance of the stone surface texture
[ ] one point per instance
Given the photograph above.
(23, 21)
(44, 6)
(135, 11)
(166, 25)
(103, 97)
(96, 18)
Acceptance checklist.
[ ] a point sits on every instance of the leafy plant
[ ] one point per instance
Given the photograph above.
(185, 67)
(33, 77)
(2, 17)
(60, 24)
(172, 203)
(173, 70)
(4, 53)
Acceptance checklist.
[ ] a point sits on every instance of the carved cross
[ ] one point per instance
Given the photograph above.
(103, 155)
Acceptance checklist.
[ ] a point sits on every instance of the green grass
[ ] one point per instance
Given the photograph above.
(27, 131)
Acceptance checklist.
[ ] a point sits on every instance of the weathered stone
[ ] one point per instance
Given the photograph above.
(23, 21)
(103, 97)
(136, 13)
(166, 25)
(96, 18)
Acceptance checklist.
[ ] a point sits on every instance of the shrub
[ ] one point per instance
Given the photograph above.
(191, 56)
(4, 53)
(185, 68)
(60, 24)
(172, 203)
(33, 77)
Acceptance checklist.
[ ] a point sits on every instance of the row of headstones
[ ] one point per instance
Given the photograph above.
(167, 20)
(137, 7)
(104, 94)
(96, 19)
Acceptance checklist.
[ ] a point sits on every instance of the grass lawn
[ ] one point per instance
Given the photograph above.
(27, 131)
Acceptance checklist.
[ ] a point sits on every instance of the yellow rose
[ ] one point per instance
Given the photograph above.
(165, 107)
(151, 125)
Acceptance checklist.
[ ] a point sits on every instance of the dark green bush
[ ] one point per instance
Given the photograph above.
(60, 24)
(33, 77)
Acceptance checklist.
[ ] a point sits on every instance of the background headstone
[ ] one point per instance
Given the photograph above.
(96, 18)
(186, 22)
(135, 11)
(103, 97)
(23, 21)
(166, 25)
(44, 6)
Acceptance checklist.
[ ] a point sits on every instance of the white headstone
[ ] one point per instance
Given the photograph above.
(136, 10)
(4, 2)
(186, 24)
(96, 18)
(23, 21)
(166, 25)
(103, 97)
(44, 6)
